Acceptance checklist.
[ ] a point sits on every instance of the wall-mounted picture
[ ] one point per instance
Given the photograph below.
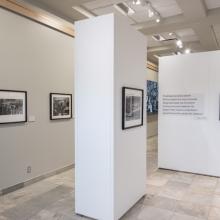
(60, 106)
(152, 97)
(132, 107)
(13, 106)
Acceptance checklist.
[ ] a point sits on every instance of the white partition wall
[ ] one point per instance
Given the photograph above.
(189, 126)
(110, 162)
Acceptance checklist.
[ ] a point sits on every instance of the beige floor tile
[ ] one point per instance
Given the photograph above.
(214, 214)
(197, 198)
(184, 217)
(153, 190)
(174, 190)
(201, 190)
(152, 213)
(192, 209)
(161, 202)
(216, 201)
(6, 203)
(205, 181)
(217, 189)
(183, 177)
(158, 179)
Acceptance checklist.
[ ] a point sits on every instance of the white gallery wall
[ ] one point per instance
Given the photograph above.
(38, 60)
(189, 137)
(110, 162)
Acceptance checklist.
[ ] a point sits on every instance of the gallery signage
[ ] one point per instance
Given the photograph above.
(183, 104)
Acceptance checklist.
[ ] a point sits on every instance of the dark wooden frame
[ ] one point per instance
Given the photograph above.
(51, 109)
(123, 107)
(17, 91)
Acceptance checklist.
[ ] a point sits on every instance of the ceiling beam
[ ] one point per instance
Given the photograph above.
(206, 36)
(173, 48)
(188, 7)
(38, 16)
(178, 22)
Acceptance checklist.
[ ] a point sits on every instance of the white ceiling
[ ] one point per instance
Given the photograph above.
(210, 4)
(166, 8)
(195, 22)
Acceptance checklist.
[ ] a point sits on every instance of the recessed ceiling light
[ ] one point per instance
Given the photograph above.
(187, 51)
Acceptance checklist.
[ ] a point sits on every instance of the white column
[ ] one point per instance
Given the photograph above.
(110, 162)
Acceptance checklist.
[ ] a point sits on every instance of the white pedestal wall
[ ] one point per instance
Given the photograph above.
(110, 162)
(188, 143)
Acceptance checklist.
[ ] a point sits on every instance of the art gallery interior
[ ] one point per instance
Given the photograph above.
(109, 110)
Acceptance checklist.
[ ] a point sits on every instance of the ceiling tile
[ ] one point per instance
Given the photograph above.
(185, 32)
(166, 8)
(100, 4)
(108, 10)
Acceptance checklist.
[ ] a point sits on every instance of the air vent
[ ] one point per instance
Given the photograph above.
(158, 37)
(124, 8)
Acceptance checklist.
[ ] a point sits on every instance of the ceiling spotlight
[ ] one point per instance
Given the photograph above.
(150, 10)
(136, 2)
(158, 20)
(179, 43)
(130, 11)
(170, 34)
(150, 13)
(187, 51)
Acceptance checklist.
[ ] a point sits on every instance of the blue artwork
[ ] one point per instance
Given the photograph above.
(152, 97)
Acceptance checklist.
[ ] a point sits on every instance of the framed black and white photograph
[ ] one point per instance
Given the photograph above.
(13, 106)
(132, 107)
(60, 106)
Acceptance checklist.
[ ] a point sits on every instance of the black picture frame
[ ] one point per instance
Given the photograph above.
(12, 116)
(62, 117)
(124, 106)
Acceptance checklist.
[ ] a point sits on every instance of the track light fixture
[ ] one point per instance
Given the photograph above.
(179, 43)
(136, 2)
(152, 12)
(130, 11)
(158, 19)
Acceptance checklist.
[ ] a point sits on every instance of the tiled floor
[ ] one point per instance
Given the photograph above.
(170, 196)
